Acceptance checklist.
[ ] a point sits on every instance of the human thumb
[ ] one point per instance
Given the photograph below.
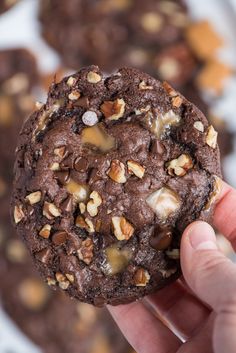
(212, 277)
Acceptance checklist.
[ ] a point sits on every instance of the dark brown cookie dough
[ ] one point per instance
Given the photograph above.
(53, 321)
(108, 174)
(7, 4)
(104, 31)
(86, 32)
(175, 64)
(18, 75)
(159, 22)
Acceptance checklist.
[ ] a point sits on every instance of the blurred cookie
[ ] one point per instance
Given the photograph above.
(7, 4)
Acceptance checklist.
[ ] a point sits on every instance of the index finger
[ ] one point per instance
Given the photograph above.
(225, 213)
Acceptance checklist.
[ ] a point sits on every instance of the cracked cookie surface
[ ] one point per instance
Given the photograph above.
(108, 174)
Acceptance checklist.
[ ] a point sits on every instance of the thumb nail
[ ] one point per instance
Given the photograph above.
(202, 236)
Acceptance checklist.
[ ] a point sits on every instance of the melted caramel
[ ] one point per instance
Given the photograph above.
(79, 192)
(116, 259)
(97, 136)
(161, 123)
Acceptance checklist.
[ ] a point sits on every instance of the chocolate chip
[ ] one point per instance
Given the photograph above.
(43, 255)
(99, 301)
(82, 102)
(59, 237)
(157, 147)
(67, 163)
(94, 175)
(81, 164)
(62, 176)
(161, 238)
(67, 204)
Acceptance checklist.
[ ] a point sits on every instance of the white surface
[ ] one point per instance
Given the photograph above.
(12, 340)
(19, 27)
(222, 15)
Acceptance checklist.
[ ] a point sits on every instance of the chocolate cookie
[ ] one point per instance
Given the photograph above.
(103, 31)
(53, 321)
(86, 32)
(175, 64)
(108, 174)
(18, 74)
(157, 22)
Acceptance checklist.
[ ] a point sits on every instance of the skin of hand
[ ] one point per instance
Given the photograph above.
(198, 312)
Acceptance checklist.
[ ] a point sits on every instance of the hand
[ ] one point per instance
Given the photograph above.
(196, 314)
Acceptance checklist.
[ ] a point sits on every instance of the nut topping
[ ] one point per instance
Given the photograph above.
(141, 277)
(71, 81)
(51, 281)
(180, 166)
(164, 202)
(116, 260)
(80, 222)
(62, 280)
(113, 110)
(144, 86)
(85, 253)
(90, 226)
(84, 223)
(45, 231)
(38, 105)
(117, 172)
(70, 277)
(169, 89)
(136, 169)
(211, 138)
(167, 273)
(74, 95)
(55, 166)
(123, 230)
(92, 205)
(82, 207)
(90, 118)
(217, 187)
(18, 213)
(177, 101)
(34, 197)
(50, 210)
(60, 151)
(198, 125)
(79, 192)
(173, 254)
(93, 77)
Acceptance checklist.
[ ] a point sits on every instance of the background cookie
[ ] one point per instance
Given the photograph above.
(108, 174)
(6, 5)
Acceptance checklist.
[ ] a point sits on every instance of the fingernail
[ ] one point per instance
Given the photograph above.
(202, 236)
